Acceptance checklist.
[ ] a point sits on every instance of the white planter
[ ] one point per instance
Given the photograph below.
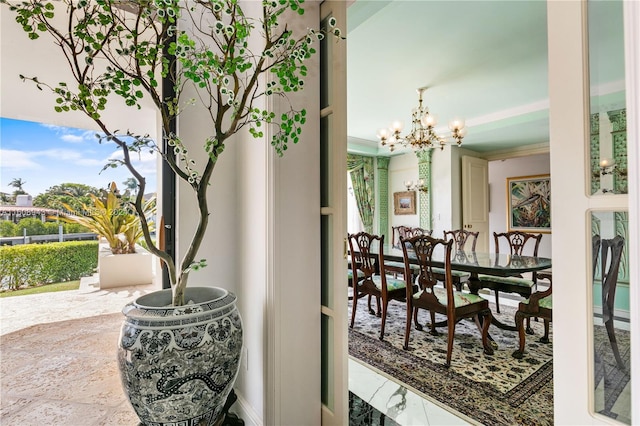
(119, 270)
(178, 365)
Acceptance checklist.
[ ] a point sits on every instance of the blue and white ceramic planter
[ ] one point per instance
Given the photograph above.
(179, 364)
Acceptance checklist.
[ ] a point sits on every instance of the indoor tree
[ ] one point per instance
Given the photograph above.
(143, 45)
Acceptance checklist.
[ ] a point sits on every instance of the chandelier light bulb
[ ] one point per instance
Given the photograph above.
(429, 120)
(456, 124)
(397, 126)
(383, 134)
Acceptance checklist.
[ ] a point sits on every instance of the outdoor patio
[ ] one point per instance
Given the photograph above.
(57, 368)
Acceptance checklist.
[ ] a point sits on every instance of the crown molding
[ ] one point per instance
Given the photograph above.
(521, 151)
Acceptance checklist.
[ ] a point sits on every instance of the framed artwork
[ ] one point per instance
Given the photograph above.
(529, 203)
(404, 202)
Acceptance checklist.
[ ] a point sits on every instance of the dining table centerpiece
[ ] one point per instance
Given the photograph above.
(179, 350)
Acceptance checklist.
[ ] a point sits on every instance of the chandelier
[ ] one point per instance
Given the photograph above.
(422, 135)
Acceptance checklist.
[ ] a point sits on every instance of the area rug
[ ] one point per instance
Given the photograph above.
(491, 389)
(610, 378)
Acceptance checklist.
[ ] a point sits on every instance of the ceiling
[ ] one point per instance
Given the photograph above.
(484, 61)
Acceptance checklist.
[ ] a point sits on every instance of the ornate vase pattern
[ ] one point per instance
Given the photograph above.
(179, 364)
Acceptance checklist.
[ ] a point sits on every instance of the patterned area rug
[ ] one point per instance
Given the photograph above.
(491, 389)
(611, 378)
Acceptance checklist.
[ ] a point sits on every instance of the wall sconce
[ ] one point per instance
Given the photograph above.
(608, 166)
(418, 185)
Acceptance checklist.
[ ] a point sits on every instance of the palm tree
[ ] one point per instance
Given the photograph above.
(18, 183)
(131, 186)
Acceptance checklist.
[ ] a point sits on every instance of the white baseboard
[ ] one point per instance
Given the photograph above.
(242, 409)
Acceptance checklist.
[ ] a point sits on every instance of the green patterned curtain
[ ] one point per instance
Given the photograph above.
(361, 171)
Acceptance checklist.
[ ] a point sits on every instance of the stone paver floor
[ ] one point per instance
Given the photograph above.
(58, 357)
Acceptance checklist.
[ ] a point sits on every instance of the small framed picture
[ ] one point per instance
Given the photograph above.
(404, 202)
(529, 203)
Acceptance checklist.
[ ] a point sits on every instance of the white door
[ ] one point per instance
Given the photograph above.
(333, 211)
(475, 199)
(574, 317)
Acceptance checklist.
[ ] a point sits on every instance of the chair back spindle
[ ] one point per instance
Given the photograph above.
(460, 237)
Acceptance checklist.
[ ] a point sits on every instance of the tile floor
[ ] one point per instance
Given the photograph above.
(60, 405)
(397, 402)
(79, 392)
(101, 401)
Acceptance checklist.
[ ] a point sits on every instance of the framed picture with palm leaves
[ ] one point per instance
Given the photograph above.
(529, 203)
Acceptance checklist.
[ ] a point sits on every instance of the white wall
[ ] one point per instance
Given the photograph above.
(446, 190)
(40, 58)
(401, 168)
(499, 171)
(446, 181)
(263, 244)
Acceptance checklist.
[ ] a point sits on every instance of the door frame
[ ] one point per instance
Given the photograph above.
(569, 135)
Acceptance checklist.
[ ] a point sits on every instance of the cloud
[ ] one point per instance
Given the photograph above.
(145, 162)
(71, 134)
(69, 155)
(13, 159)
(73, 138)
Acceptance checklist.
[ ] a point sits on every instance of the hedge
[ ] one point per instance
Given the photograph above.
(36, 264)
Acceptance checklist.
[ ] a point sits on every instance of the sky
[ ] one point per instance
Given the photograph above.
(44, 155)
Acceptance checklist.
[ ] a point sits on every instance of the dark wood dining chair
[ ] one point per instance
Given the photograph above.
(610, 256)
(460, 237)
(402, 231)
(453, 304)
(520, 244)
(539, 305)
(369, 276)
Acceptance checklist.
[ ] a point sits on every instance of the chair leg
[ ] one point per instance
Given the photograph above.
(614, 343)
(497, 301)
(415, 320)
(519, 319)
(451, 331)
(385, 303)
(433, 331)
(354, 306)
(545, 338)
(528, 329)
(371, 311)
(486, 322)
(407, 329)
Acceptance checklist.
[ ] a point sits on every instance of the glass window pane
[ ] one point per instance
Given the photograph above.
(611, 337)
(608, 141)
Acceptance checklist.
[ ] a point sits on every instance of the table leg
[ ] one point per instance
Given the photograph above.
(474, 288)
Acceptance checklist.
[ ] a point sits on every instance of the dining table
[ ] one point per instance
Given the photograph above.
(478, 262)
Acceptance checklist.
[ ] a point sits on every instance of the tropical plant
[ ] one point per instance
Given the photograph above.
(233, 62)
(18, 184)
(73, 194)
(113, 219)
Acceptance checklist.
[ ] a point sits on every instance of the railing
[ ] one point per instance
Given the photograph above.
(30, 239)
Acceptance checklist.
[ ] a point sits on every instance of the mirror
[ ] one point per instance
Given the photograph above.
(608, 116)
(611, 337)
